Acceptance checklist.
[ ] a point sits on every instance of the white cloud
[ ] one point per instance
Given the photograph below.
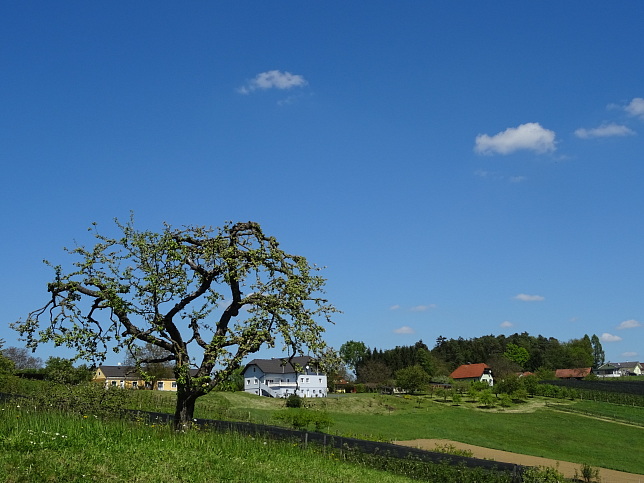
(636, 107)
(507, 324)
(517, 179)
(626, 355)
(394, 307)
(404, 330)
(273, 79)
(603, 131)
(606, 337)
(530, 136)
(524, 297)
(629, 324)
(422, 308)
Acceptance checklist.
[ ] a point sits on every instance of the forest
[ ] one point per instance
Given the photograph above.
(504, 354)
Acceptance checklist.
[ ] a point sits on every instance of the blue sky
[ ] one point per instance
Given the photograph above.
(461, 169)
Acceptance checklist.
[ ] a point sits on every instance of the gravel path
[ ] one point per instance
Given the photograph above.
(567, 468)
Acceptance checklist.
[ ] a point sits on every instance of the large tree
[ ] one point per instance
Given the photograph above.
(219, 294)
(352, 353)
(22, 358)
(598, 352)
(412, 379)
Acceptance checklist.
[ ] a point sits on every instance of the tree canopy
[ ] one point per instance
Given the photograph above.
(352, 353)
(218, 294)
(22, 358)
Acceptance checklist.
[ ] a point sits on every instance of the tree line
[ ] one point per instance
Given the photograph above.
(504, 354)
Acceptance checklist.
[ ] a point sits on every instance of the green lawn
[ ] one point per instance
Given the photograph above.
(529, 428)
(537, 431)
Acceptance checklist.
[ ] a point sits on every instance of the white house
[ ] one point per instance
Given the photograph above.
(473, 372)
(281, 378)
(619, 369)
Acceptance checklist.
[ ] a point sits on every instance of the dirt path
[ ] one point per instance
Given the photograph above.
(568, 469)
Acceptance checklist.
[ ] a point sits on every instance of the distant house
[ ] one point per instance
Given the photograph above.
(281, 378)
(525, 374)
(473, 372)
(577, 373)
(619, 369)
(119, 376)
(127, 377)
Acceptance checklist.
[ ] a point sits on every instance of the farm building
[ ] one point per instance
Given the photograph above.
(576, 373)
(473, 372)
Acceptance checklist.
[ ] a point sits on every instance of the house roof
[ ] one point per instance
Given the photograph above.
(572, 373)
(130, 373)
(467, 371)
(620, 365)
(280, 365)
(120, 372)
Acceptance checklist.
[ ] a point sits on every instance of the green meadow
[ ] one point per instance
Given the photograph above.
(78, 445)
(576, 431)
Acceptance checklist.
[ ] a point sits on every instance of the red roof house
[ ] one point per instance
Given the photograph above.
(577, 373)
(473, 372)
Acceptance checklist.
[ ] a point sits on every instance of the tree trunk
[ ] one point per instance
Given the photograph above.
(184, 412)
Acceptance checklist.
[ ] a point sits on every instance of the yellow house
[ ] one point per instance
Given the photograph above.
(119, 376)
(128, 378)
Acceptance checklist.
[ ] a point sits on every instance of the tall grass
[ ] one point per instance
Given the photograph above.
(51, 446)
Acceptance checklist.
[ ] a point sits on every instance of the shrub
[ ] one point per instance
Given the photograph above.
(588, 474)
(505, 400)
(294, 401)
(542, 474)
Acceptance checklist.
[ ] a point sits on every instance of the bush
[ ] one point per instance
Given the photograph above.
(301, 419)
(588, 474)
(542, 474)
(294, 401)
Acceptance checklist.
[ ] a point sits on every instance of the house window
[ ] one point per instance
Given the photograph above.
(134, 384)
(174, 384)
(160, 385)
(113, 383)
(248, 382)
(307, 379)
(313, 391)
(320, 380)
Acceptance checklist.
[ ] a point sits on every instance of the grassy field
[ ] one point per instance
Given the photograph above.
(529, 428)
(49, 446)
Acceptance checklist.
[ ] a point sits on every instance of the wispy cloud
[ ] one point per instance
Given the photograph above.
(603, 131)
(606, 337)
(530, 136)
(273, 79)
(422, 308)
(636, 107)
(506, 324)
(629, 324)
(626, 355)
(482, 173)
(394, 307)
(524, 297)
(404, 330)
